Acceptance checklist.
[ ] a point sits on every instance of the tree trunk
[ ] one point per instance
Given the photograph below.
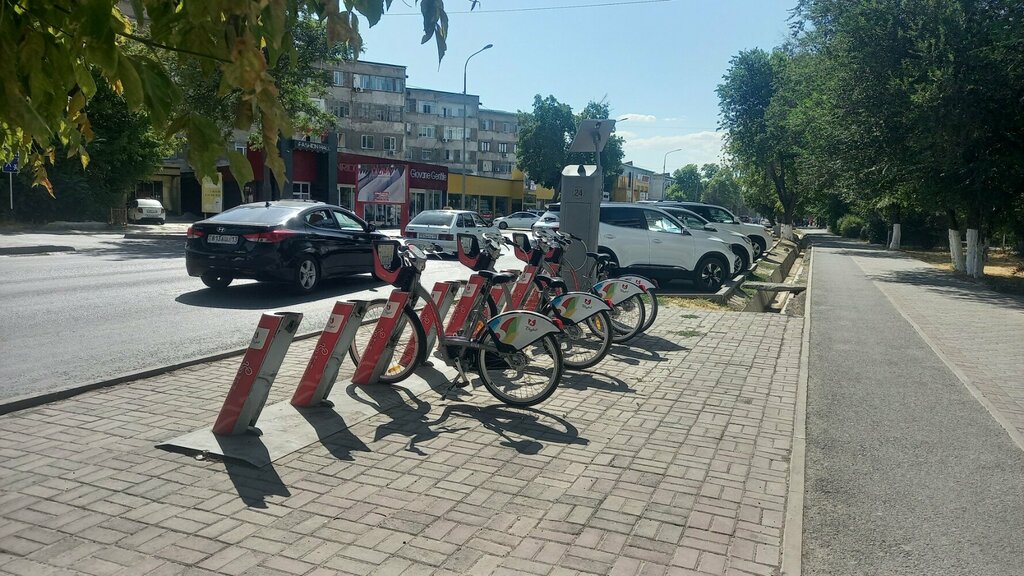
(787, 232)
(894, 244)
(956, 252)
(975, 266)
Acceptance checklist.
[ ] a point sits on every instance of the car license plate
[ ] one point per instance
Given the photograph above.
(152, 211)
(427, 236)
(222, 239)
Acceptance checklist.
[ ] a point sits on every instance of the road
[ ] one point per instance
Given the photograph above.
(118, 306)
(906, 472)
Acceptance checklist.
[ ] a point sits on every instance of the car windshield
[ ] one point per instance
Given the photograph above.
(257, 214)
(433, 219)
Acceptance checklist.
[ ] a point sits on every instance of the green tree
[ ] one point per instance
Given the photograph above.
(687, 184)
(756, 103)
(723, 189)
(42, 108)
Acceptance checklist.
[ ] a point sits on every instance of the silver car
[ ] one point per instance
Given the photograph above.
(436, 230)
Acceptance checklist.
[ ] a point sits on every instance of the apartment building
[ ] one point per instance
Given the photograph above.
(498, 131)
(439, 126)
(633, 185)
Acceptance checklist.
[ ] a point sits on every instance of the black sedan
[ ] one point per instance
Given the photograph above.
(299, 243)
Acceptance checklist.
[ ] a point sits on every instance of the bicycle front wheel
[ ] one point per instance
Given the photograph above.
(628, 319)
(522, 378)
(587, 343)
(406, 348)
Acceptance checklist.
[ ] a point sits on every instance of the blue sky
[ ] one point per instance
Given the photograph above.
(655, 61)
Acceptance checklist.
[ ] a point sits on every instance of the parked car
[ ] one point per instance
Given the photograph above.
(549, 219)
(516, 220)
(644, 239)
(298, 243)
(146, 209)
(740, 245)
(724, 220)
(435, 230)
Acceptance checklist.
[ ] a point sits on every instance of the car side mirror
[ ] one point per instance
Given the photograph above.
(686, 232)
(371, 228)
(710, 228)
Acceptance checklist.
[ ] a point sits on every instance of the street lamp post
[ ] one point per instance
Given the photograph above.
(664, 178)
(464, 135)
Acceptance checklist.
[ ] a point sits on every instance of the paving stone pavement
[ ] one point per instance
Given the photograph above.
(979, 331)
(671, 458)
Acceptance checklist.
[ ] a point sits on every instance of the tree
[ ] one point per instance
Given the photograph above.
(42, 108)
(687, 184)
(723, 189)
(542, 149)
(755, 108)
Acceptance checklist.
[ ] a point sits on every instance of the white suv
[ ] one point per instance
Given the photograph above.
(740, 245)
(724, 220)
(649, 241)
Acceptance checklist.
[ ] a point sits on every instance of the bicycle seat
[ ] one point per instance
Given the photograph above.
(544, 280)
(496, 278)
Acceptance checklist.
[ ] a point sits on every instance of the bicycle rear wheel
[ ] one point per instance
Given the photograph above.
(587, 343)
(650, 309)
(628, 319)
(523, 378)
(409, 344)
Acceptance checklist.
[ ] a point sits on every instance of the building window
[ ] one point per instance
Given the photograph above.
(503, 147)
(365, 110)
(485, 146)
(427, 107)
(381, 83)
(390, 143)
(339, 80)
(341, 141)
(153, 189)
(487, 124)
(338, 109)
(453, 155)
(425, 154)
(300, 190)
(485, 166)
(427, 131)
(506, 127)
(241, 147)
(367, 141)
(453, 132)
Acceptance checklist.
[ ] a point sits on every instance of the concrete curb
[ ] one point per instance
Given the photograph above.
(154, 236)
(43, 249)
(792, 537)
(32, 400)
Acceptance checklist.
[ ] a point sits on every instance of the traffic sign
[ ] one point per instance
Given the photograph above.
(12, 166)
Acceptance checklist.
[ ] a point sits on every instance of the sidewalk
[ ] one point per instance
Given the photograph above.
(672, 459)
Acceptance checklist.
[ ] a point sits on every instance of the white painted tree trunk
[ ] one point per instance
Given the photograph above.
(975, 255)
(956, 251)
(787, 232)
(895, 243)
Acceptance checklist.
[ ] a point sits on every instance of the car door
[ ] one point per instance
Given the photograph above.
(623, 230)
(356, 243)
(671, 243)
(325, 238)
(481, 226)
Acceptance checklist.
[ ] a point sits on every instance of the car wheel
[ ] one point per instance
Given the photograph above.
(502, 225)
(307, 275)
(711, 273)
(741, 263)
(759, 246)
(217, 280)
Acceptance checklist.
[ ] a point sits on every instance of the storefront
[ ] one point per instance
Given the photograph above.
(388, 193)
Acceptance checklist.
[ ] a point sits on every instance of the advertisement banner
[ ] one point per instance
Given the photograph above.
(213, 195)
(382, 184)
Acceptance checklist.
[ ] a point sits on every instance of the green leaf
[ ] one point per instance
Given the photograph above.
(240, 167)
(371, 9)
(130, 81)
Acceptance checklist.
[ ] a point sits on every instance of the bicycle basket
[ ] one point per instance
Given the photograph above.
(522, 247)
(470, 253)
(387, 260)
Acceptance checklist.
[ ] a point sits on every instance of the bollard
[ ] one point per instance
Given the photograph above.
(259, 367)
(332, 346)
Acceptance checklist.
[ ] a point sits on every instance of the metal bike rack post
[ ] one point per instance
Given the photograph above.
(465, 305)
(381, 347)
(259, 367)
(443, 295)
(331, 348)
(522, 287)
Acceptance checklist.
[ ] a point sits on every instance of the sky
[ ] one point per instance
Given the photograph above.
(655, 62)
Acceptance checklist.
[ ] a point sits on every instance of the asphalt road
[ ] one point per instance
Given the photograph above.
(118, 306)
(906, 473)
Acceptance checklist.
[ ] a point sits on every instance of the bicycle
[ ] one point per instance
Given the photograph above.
(514, 353)
(628, 310)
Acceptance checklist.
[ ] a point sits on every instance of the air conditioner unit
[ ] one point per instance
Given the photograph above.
(391, 152)
(444, 140)
(504, 154)
(357, 88)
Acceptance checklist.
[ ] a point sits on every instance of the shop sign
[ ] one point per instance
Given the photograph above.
(311, 146)
(382, 183)
(213, 195)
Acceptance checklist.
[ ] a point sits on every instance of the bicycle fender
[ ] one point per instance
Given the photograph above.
(519, 328)
(617, 290)
(645, 284)
(578, 306)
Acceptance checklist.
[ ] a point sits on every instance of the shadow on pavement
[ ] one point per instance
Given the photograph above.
(946, 284)
(523, 429)
(121, 249)
(335, 435)
(590, 380)
(255, 484)
(264, 295)
(407, 420)
(644, 348)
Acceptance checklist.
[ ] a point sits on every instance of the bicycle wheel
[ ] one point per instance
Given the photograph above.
(522, 378)
(628, 319)
(408, 346)
(586, 343)
(650, 309)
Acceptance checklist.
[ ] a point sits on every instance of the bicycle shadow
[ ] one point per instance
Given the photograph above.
(333, 433)
(253, 484)
(584, 380)
(409, 414)
(529, 424)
